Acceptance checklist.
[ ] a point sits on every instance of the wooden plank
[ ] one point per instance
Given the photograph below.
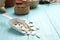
(54, 15)
(41, 20)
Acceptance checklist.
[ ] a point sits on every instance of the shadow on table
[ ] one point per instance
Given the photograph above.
(12, 31)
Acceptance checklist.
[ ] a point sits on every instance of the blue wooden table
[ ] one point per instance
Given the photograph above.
(46, 17)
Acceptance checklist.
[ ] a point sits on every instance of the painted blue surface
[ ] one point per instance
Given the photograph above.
(46, 17)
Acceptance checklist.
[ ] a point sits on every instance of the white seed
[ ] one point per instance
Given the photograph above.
(28, 32)
(37, 35)
(23, 28)
(17, 26)
(31, 25)
(21, 25)
(23, 32)
(33, 29)
(37, 28)
(33, 33)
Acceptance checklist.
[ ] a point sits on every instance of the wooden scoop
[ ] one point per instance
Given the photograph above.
(21, 25)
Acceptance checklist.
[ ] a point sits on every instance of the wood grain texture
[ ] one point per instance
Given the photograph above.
(47, 18)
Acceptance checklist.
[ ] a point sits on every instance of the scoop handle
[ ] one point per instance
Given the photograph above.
(8, 17)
